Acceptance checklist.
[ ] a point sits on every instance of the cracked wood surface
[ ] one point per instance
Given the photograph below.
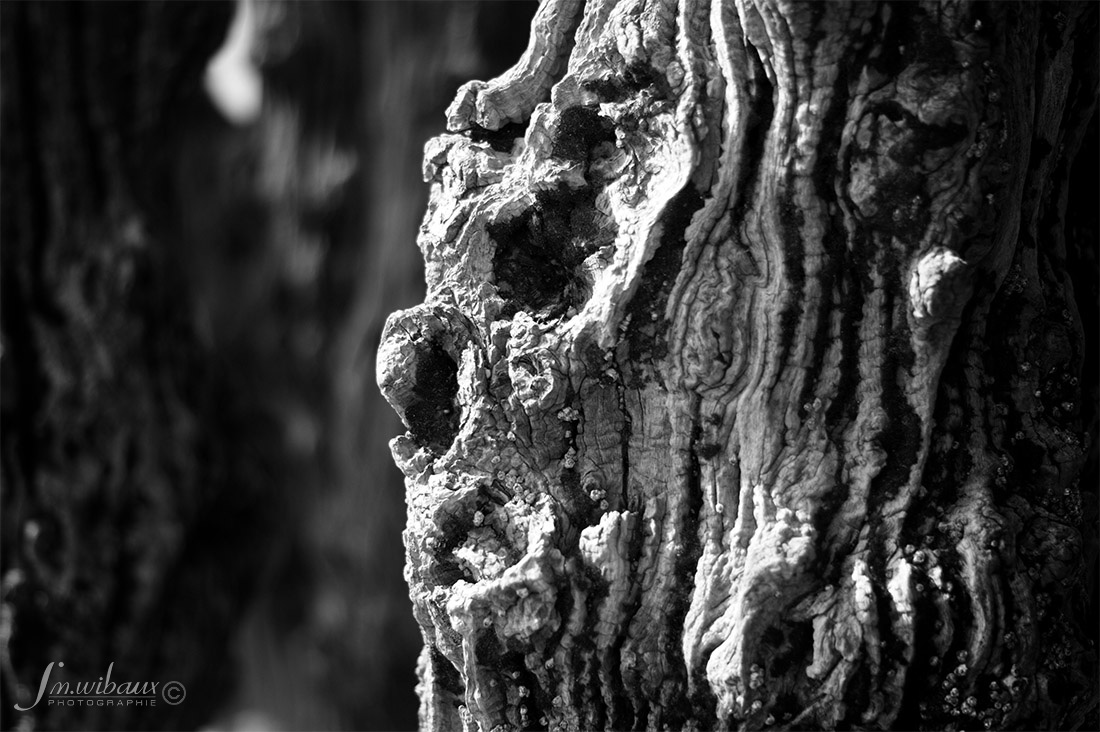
(746, 392)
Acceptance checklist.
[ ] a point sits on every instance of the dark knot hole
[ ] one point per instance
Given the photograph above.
(433, 416)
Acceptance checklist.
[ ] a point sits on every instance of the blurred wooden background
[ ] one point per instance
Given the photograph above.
(196, 479)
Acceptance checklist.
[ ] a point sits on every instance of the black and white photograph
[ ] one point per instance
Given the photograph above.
(566, 365)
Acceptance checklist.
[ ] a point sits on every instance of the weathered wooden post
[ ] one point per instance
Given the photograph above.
(746, 392)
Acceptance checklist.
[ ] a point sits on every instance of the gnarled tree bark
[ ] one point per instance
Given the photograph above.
(747, 389)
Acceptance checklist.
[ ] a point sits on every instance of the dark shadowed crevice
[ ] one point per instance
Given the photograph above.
(679, 714)
(532, 698)
(794, 251)
(758, 121)
(501, 140)
(900, 440)
(579, 130)
(445, 674)
(648, 331)
(585, 651)
(635, 77)
(433, 414)
(538, 258)
(623, 705)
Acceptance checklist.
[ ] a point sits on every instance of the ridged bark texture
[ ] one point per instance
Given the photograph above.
(746, 392)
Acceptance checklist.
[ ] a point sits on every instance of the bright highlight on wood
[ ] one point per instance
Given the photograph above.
(745, 392)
